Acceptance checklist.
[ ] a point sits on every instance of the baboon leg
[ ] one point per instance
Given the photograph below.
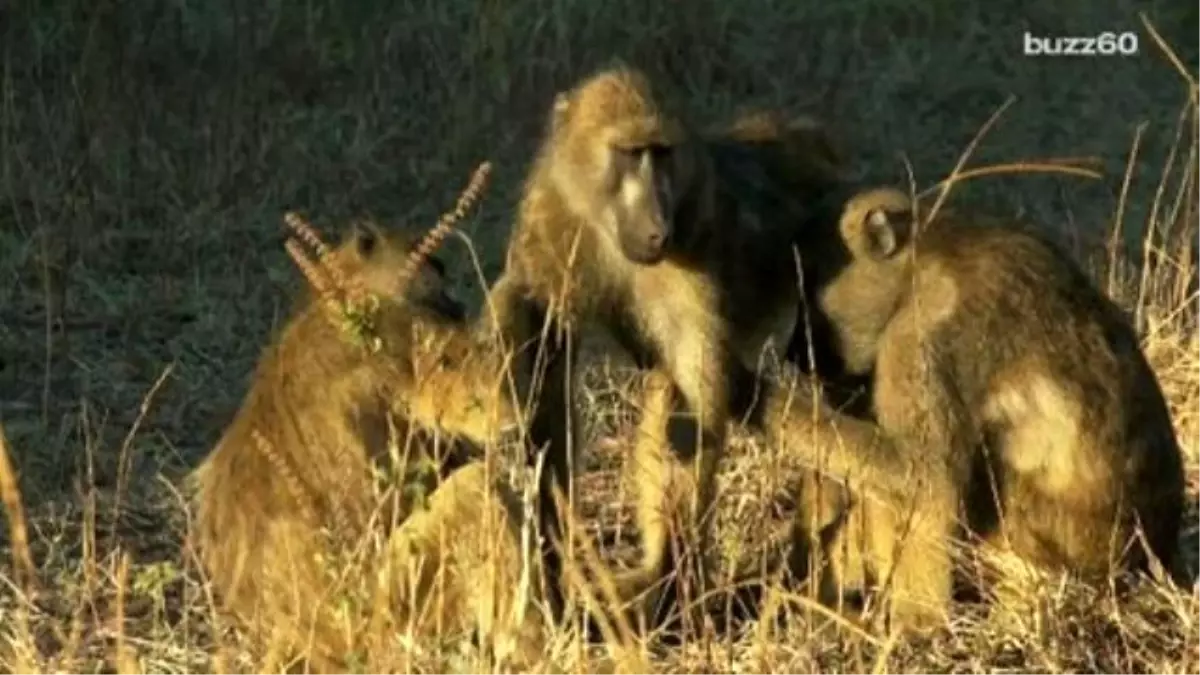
(458, 565)
(551, 437)
(649, 465)
(886, 467)
(823, 508)
(925, 420)
(542, 368)
(674, 467)
(921, 575)
(650, 470)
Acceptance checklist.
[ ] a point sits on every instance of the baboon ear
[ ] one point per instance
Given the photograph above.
(562, 107)
(883, 232)
(562, 102)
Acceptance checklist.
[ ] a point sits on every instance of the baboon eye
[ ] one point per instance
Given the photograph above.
(657, 151)
(437, 265)
(630, 154)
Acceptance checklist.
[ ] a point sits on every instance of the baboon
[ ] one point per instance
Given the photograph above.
(848, 543)
(678, 244)
(1014, 396)
(291, 483)
(459, 566)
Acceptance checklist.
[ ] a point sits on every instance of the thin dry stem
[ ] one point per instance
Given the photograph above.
(1171, 56)
(1115, 248)
(316, 274)
(306, 233)
(1049, 166)
(339, 289)
(334, 290)
(125, 657)
(10, 493)
(446, 223)
(281, 464)
(948, 184)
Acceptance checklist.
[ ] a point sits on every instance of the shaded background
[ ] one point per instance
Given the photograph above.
(148, 150)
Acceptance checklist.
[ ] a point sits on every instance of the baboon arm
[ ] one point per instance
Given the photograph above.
(516, 321)
(700, 368)
(796, 418)
(502, 309)
(922, 411)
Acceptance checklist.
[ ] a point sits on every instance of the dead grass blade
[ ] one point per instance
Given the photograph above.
(966, 154)
(1048, 166)
(10, 493)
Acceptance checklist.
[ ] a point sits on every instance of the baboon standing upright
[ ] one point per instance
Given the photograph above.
(681, 247)
(1012, 391)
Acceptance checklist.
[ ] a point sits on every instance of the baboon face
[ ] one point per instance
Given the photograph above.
(458, 386)
(382, 256)
(616, 158)
(640, 202)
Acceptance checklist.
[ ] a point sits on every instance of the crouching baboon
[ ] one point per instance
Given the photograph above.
(681, 247)
(846, 544)
(1013, 395)
(290, 488)
(459, 566)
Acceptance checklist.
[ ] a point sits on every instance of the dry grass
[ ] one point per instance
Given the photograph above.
(148, 150)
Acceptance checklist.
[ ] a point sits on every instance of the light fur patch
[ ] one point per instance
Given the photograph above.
(938, 293)
(1043, 432)
(675, 306)
(633, 190)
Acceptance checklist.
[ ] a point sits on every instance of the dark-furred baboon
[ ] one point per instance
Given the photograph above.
(680, 246)
(291, 485)
(1014, 395)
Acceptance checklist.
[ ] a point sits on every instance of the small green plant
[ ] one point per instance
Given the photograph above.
(357, 322)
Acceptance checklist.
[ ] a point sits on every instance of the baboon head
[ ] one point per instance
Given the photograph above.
(618, 161)
(812, 151)
(854, 270)
(459, 386)
(378, 258)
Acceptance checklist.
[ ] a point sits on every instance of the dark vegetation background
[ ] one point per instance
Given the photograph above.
(148, 149)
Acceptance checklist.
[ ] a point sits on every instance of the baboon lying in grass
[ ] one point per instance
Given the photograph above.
(681, 247)
(286, 504)
(459, 567)
(847, 544)
(1015, 396)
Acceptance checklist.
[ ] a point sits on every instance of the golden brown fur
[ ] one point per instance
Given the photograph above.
(288, 494)
(680, 246)
(847, 544)
(1014, 395)
(460, 565)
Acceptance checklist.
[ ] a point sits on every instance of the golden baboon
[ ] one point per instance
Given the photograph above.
(681, 247)
(1015, 396)
(291, 485)
(458, 566)
(848, 543)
